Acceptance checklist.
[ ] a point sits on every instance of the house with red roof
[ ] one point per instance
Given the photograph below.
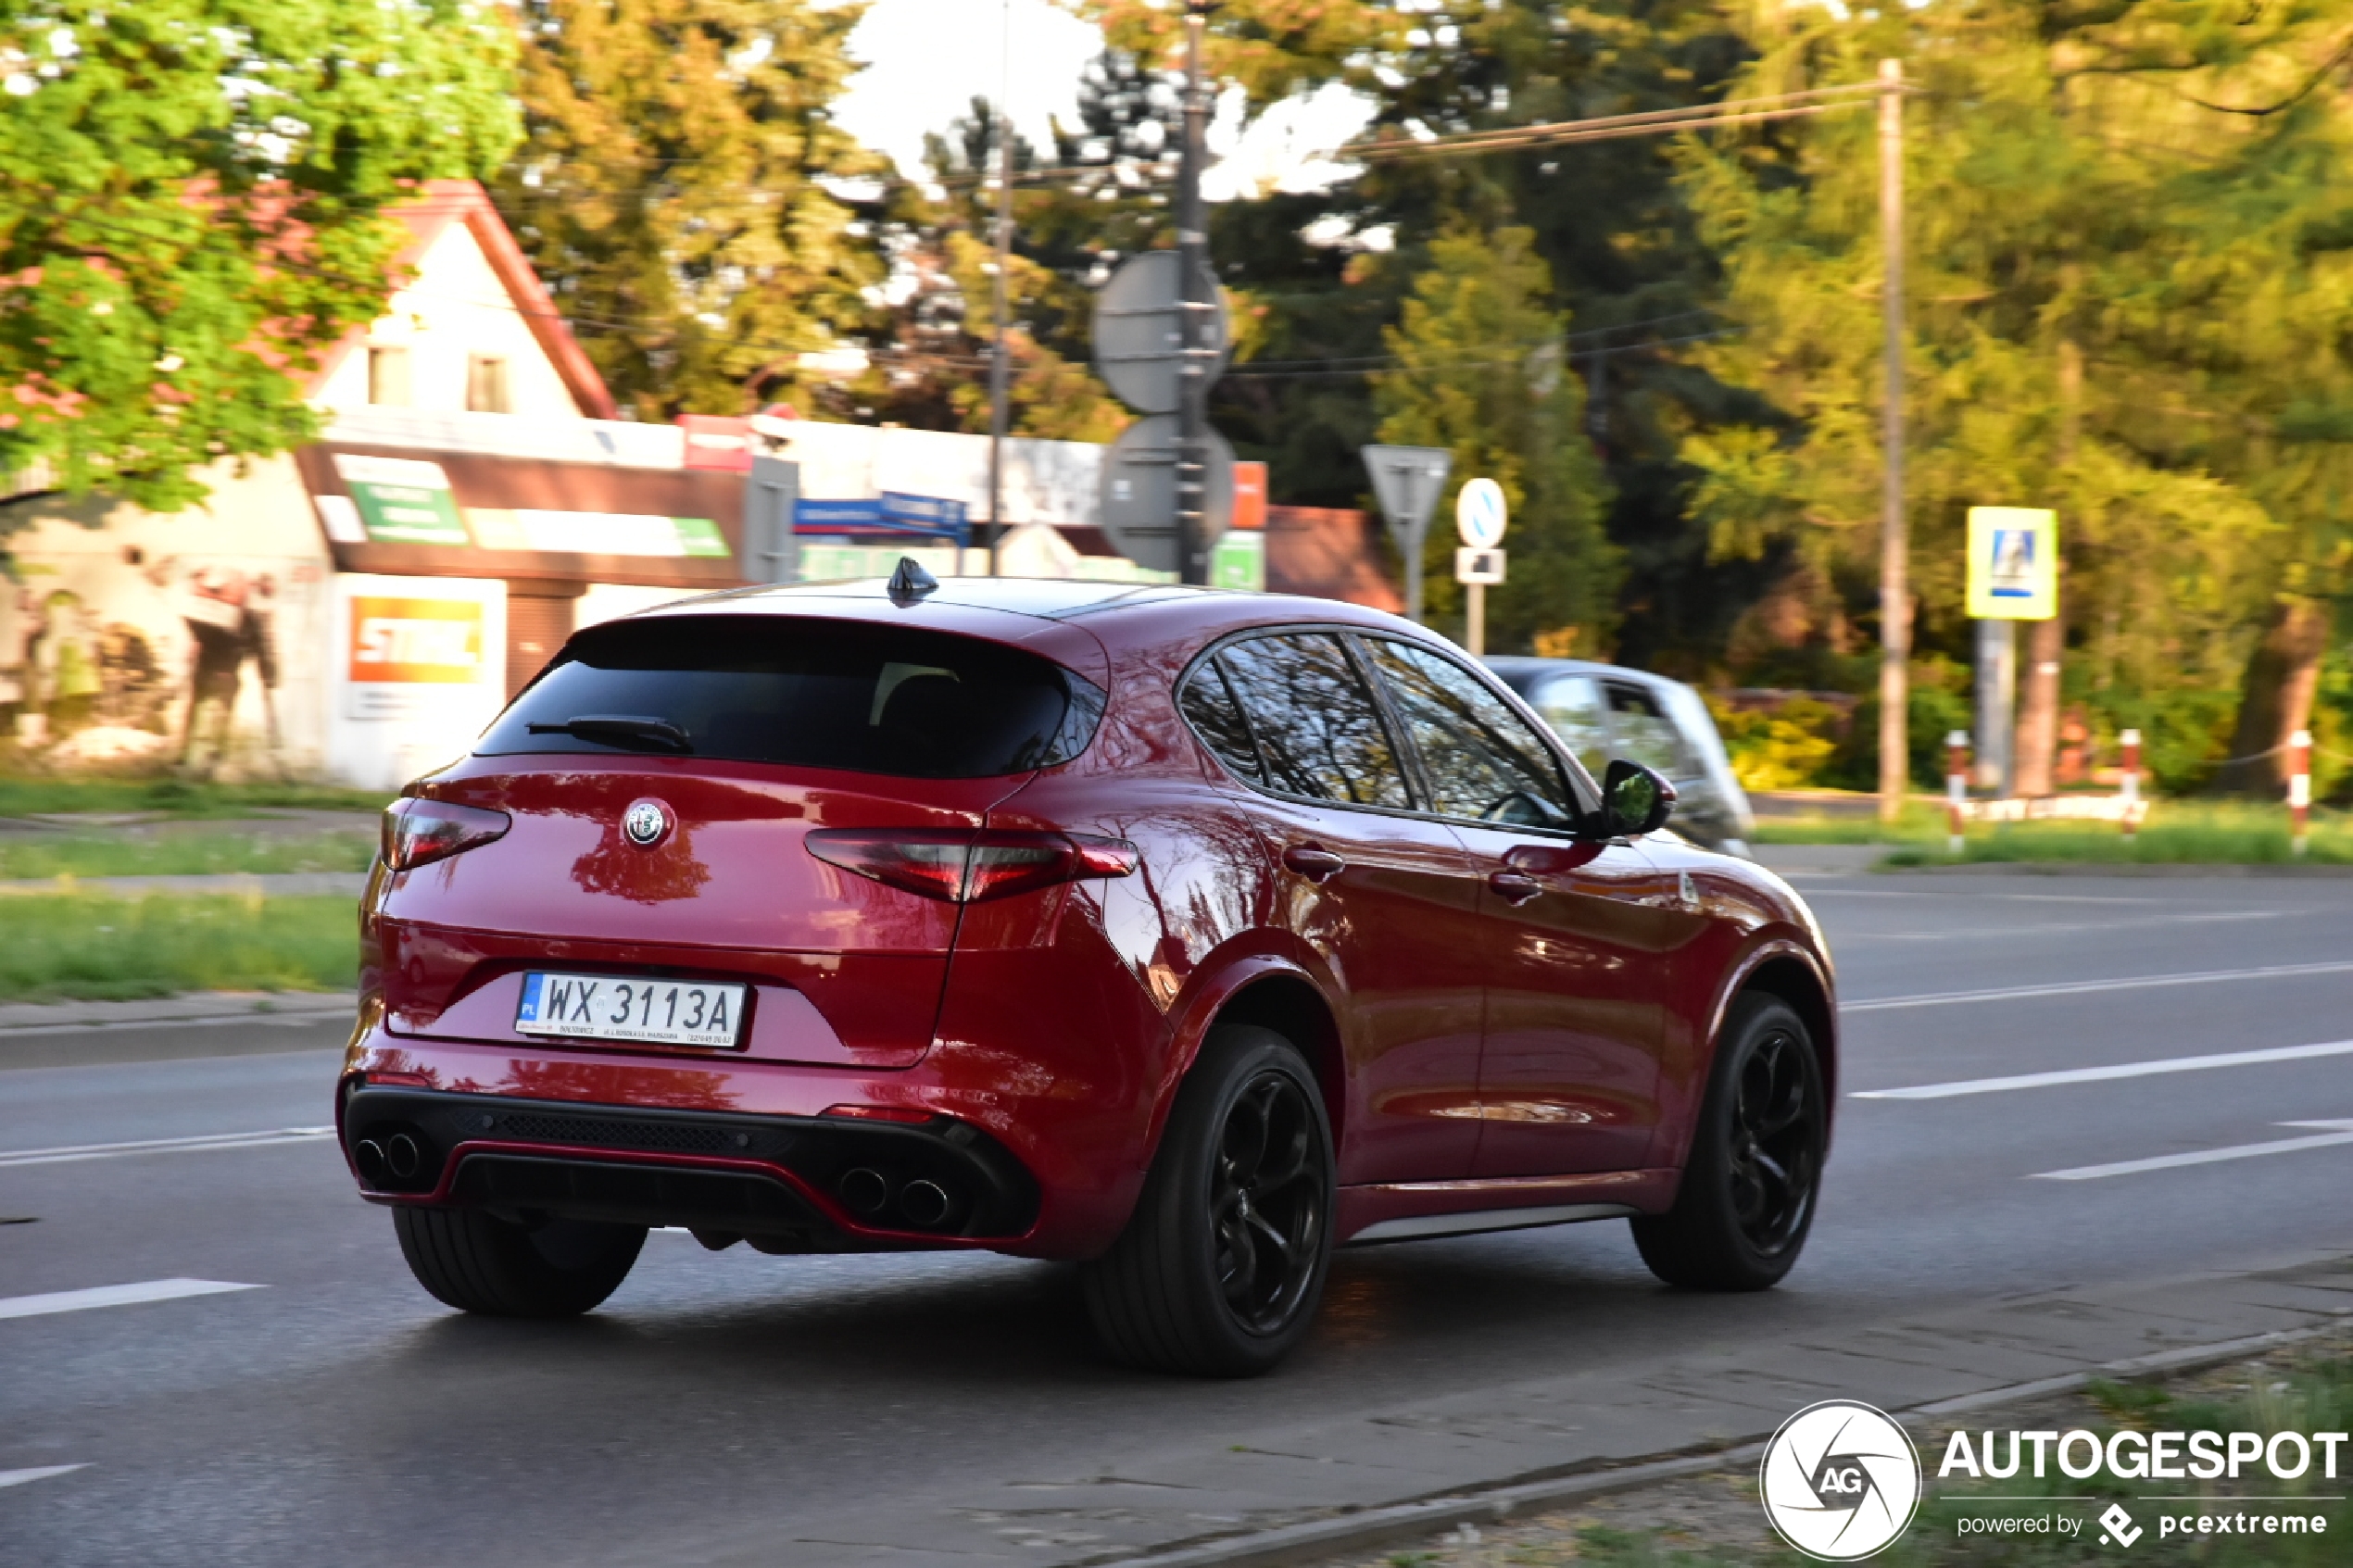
(360, 609)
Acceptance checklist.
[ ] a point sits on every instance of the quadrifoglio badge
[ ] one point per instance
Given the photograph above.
(1841, 1481)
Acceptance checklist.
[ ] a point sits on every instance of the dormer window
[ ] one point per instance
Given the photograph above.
(388, 377)
(486, 385)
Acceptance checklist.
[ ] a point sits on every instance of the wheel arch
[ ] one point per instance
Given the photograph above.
(1275, 993)
(1286, 1002)
(1789, 976)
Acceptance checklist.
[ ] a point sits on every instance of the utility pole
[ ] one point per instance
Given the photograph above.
(1894, 598)
(999, 370)
(1197, 307)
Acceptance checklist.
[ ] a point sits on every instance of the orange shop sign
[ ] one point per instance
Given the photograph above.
(412, 640)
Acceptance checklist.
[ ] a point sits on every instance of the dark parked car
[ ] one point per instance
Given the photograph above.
(1605, 710)
(1187, 935)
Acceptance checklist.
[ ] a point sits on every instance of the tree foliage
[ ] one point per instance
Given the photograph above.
(2127, 300)
(672, 192)
(190, 200)
(1478, 372)
(1101, 195)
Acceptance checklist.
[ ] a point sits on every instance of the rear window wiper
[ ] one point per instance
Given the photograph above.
(624, 729)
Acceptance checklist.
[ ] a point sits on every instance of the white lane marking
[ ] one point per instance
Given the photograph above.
(115, 1295)
(2048, 928)
(1941, 894)
(2118, 1070)
(2085, 987)
(67, 1153)
(19, 1478)
(2341, 1133)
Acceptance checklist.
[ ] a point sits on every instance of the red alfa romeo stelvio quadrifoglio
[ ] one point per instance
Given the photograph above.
(1185, 934)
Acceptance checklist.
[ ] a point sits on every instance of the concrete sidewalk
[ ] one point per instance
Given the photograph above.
(1302, 1493)
(21, 1019)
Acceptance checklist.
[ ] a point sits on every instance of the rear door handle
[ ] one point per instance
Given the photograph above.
(1314, 862)
(1513, 887)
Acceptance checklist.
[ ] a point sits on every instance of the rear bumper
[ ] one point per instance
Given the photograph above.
(792, 1183)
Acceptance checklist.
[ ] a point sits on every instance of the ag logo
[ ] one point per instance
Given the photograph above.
(1839, 1480)
(646, 822)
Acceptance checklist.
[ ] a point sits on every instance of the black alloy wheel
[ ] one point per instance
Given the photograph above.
(1266, 1202)
(1777, 1141)
(1751, 1183)
(1221, 1266)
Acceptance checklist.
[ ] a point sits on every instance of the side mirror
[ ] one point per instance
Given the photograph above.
(1635, 800)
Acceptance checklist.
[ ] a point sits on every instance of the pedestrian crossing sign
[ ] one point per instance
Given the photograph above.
(2013, 563)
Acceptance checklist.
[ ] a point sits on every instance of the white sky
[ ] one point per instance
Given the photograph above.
(926, 59)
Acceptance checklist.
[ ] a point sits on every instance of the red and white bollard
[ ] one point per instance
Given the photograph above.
(2128, 787)
(1956, 785)
(2299, 789)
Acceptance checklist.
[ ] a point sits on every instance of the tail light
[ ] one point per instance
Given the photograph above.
(417, 833)
(966, 867)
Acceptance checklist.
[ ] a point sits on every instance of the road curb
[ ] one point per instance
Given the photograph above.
(26, 1020)
(1314, 1541)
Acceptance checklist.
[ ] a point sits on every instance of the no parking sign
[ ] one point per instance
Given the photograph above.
(1479, 514)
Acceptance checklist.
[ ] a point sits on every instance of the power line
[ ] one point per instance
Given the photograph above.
(1654, 122)
(1390, 364)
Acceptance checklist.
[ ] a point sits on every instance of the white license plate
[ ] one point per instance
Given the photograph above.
(612, 1007)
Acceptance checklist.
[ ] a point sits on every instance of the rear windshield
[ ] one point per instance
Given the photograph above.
(810, 694)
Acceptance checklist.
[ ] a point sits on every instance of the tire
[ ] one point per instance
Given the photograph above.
(1221, 1267)
(479, 1263)
(1751, 1185)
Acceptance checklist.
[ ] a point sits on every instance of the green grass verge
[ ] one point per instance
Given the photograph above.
(24, 796)
(2201, 832)
(1917, 824)
(61, 946)
(183, 854)
(2177, 832)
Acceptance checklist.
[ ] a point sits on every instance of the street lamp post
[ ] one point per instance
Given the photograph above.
(1895, 594)
(1193, 316)
(999, 370)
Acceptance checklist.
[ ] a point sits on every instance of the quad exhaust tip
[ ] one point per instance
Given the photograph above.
(867, 1193)
(864, 1191)
(923, 1203)
(402, 1157)
(369, 1156)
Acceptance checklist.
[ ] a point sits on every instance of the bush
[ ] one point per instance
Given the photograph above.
(1932, 713)
(1785, 747)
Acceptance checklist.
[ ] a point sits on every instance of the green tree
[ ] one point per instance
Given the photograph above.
(1478, 372)
(672, 192)
(2123, 293)
(1273, 48)
(190, 210)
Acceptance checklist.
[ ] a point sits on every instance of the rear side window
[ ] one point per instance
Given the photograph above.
(812, 693)
(1209, 705)
(1314, 721)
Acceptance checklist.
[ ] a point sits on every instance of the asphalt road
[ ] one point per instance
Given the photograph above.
(336, 1414)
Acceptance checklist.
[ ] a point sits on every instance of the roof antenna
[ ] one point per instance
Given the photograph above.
(910, 584)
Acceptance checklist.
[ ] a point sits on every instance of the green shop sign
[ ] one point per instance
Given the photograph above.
(402, 501)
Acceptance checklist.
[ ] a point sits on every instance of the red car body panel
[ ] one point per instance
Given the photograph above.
(1476, 1055)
